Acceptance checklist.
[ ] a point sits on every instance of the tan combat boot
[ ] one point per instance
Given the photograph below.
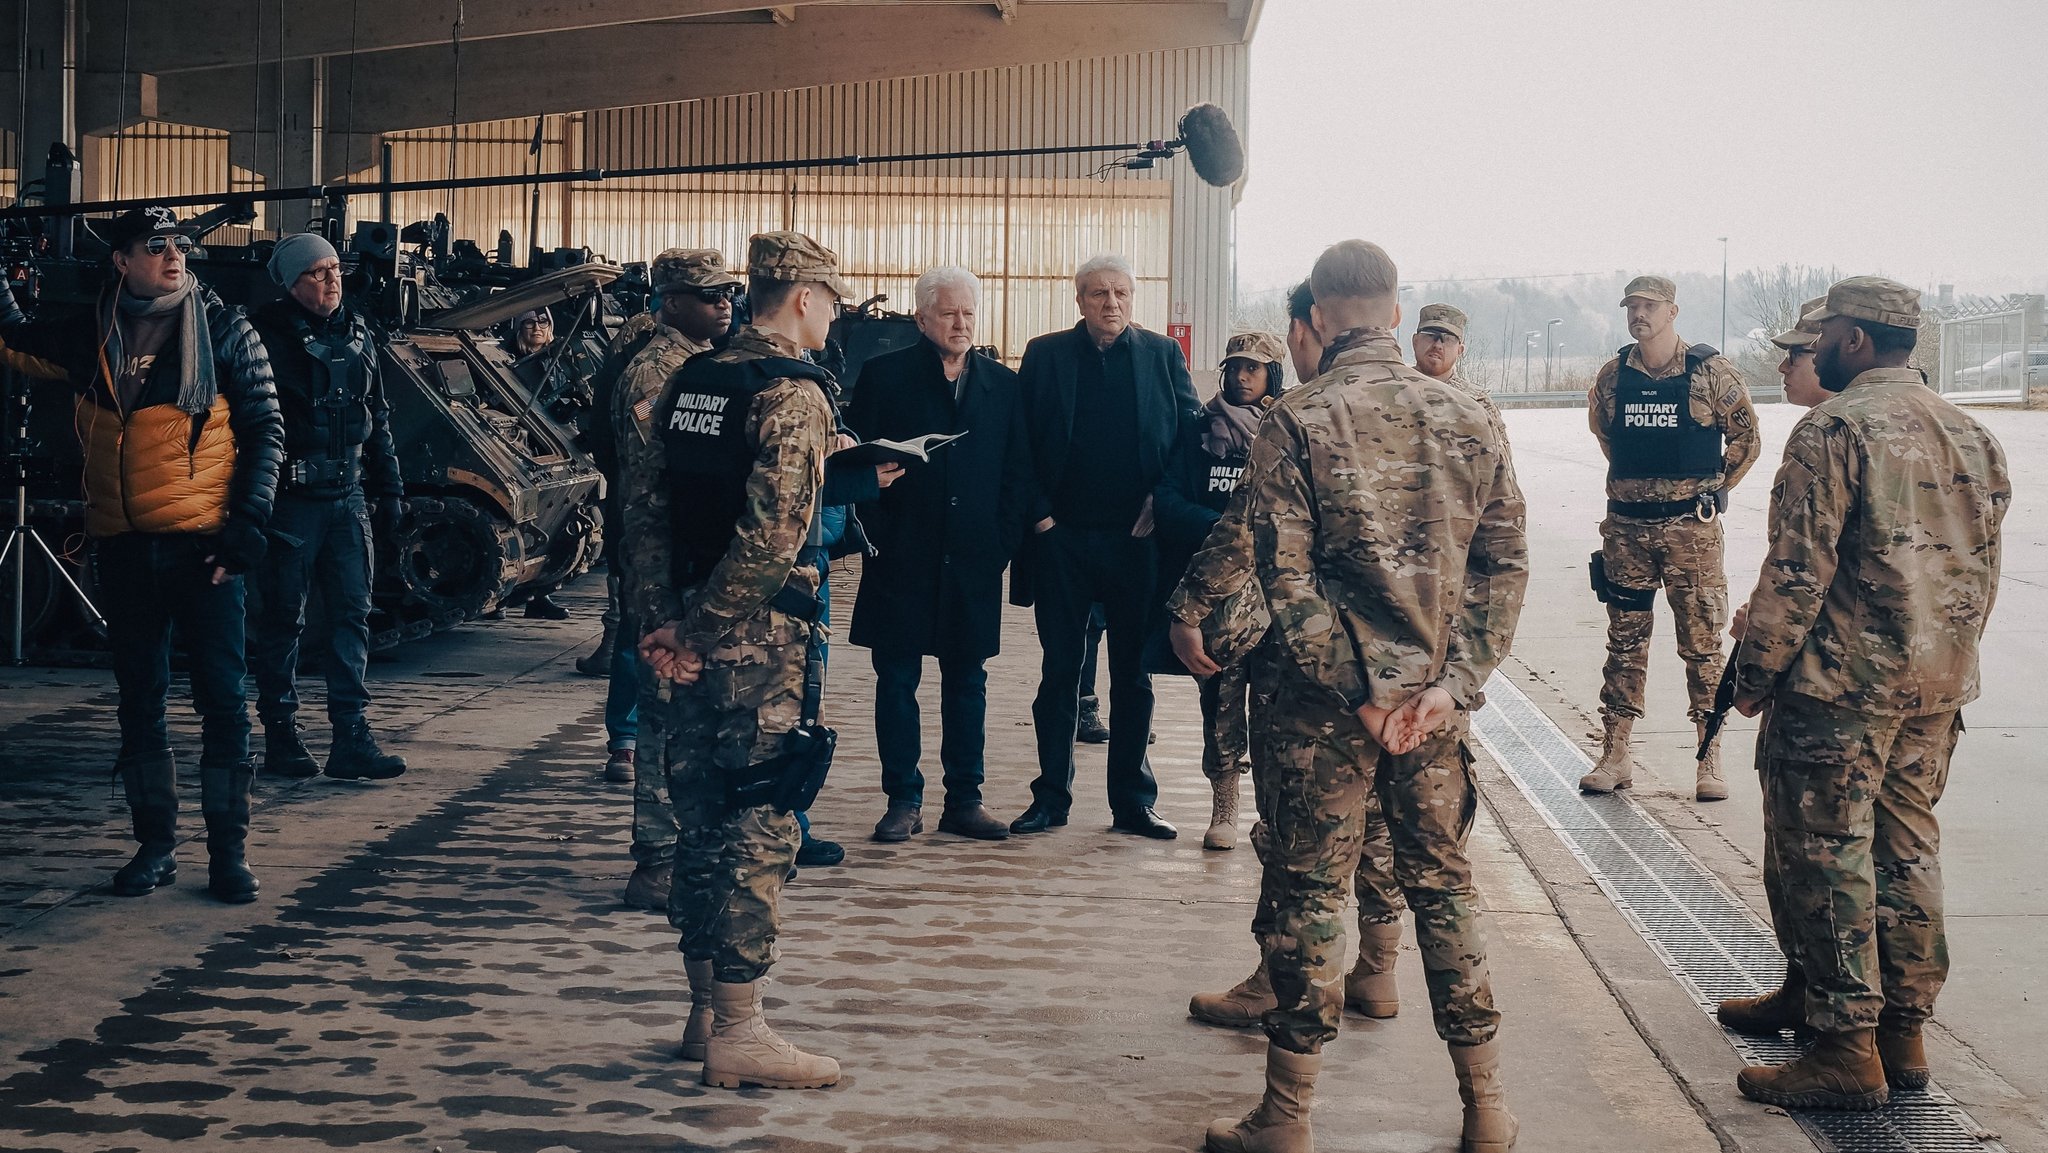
(1903, 1056)
(697, 1030)
(1242, 1006)
(1369, 987)
(1280, 1123)
(1841, 1071)
(1782, 1008)
(1489, 1127)
(1710, 787)
(1222, 832)
(742, 1050)
(1615, 770)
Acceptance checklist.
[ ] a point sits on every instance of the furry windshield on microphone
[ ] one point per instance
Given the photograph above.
(1212, 144)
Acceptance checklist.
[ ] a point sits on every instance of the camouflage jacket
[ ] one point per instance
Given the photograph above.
(1387, 529)
(791, 425)
(1719, 398)
(1485, 399)
(634, 399)
(1884, 553)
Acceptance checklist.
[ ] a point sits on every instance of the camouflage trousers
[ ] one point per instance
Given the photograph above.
(654, 817)
(1682, 555)
(1852, 857)
(1380, 900)
(1316, 782)
(730, 863)
(1225, 740)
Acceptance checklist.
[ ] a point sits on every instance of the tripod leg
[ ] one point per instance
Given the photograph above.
(13, 535)
(66, 575)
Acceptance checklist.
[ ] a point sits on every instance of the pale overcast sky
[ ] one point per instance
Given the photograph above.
(1499, 139)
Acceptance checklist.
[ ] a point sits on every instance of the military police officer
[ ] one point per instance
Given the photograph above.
(1439, 343)
(696, 298)
(1861, 640)
(339, 465)
(744, 436)
(1675, 422)
(1212, 599)
(1388, 536)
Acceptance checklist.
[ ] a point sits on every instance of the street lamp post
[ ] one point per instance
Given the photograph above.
(1724, 294)
(1528, 342)
(1553, 323)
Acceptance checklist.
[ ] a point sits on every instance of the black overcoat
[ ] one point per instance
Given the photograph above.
(1167, 408)
(943, 532)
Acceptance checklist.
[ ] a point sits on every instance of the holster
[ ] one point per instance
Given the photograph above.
(1620, 596)
(790, 780)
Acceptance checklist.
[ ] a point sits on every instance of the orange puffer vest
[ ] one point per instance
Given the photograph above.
(160, 470)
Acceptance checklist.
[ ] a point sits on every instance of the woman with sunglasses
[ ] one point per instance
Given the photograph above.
(183, 441)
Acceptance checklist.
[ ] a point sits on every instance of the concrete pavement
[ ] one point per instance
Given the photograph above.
(441, 962)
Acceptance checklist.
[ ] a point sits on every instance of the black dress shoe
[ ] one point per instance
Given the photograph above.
(543, 607)
(973, 821)
(1037, 819)
(1145, 823)
(817, 854)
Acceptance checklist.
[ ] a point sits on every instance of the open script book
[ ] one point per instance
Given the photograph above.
(918, 449)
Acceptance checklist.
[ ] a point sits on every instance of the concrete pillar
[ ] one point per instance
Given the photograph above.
(297, 130)
(51, 82)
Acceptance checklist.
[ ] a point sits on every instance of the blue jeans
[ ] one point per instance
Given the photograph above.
(323, 542)
(150, 583)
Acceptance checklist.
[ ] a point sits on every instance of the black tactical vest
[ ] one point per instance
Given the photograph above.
(703, 423)
(339, 394)
(1653, 433)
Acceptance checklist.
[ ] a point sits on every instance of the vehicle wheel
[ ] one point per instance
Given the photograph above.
(454, 556)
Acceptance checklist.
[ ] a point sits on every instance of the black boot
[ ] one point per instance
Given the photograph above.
(353, 754)
(224, 798)
(543, 607)
(285, 754)
(1088, 726)
(151, 782)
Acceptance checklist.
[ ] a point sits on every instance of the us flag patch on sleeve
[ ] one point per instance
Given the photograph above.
(644, 411)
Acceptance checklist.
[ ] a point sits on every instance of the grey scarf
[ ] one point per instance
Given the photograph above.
(1229, 429)
(196, 384)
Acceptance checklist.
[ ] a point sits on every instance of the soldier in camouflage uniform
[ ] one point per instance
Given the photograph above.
(1211, 587)
(1388, 535)
(1439, 343)
(696, 297)
(744, 432)
(1861, 640)
(1676, 425)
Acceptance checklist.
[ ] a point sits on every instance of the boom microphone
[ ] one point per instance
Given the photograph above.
(1212, 144)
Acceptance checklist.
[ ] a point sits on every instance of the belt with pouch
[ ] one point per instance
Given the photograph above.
(323, 472)
(1706, 508)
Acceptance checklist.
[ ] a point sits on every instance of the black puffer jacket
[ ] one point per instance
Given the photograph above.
(68, 346)
(310, 430)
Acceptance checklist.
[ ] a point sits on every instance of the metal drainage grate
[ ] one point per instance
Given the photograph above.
(1706, 936)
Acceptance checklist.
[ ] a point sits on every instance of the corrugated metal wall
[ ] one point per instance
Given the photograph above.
(158, 158)
(1023, 223)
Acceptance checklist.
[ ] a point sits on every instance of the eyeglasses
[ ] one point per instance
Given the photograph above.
(332, 272)
(537, 322)
(155, 245)
(716, 295)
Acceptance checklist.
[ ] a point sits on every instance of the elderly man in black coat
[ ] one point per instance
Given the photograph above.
(1105, 404)
(942, 536)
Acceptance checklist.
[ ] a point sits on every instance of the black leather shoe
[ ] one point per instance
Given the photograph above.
(543, 607)
(1145, 823)
(973, 821)
(816, 854)
(1037, 819)
(153, 866)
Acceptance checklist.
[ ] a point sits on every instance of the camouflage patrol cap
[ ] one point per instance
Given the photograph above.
(1651, 288)
(1260, 347)
(686, 268)
(1871, 298)
(794, 256)
(1802, 334)
(1442, 318)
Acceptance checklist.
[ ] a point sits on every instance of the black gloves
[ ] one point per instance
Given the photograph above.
(389, 515)
(241, 546)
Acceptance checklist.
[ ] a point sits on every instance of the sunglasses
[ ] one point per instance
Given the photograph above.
(155, 245)
(714, 295)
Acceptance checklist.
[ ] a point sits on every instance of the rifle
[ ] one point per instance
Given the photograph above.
(1724, 700)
